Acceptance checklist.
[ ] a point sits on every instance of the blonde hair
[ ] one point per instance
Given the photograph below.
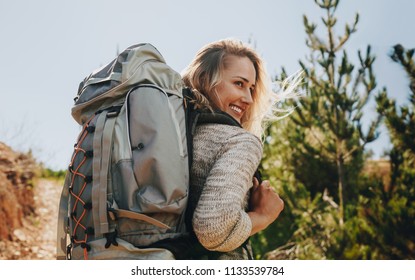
(204, 73)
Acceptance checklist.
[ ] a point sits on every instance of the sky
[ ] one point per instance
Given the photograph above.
(49, 46)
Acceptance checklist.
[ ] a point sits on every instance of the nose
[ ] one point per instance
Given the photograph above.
(247, 97)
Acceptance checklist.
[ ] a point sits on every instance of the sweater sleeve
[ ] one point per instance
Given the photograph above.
(220, 221)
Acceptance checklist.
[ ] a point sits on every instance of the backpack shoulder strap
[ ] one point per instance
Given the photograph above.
(218, 117)
(196, 117)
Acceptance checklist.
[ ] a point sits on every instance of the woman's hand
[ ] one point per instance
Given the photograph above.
(265, 206)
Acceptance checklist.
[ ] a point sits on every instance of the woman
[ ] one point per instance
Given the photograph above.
(228, 205)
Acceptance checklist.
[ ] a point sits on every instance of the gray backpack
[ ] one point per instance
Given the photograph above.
(127, 182)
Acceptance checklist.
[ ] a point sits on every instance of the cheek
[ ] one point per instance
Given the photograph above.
(220, 90)
(217, 97)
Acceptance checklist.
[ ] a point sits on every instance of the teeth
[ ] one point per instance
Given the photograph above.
(236, 109)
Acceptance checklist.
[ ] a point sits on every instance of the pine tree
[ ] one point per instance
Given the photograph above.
(331, 114)
(315, 157)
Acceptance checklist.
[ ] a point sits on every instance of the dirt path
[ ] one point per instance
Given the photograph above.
(36, 240)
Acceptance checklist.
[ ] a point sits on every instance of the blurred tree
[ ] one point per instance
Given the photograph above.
(395, 218)
(401, 123)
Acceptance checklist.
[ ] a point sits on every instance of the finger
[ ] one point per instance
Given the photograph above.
(255, 182)
(265, 184)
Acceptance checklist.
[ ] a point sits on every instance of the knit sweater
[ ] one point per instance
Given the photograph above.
(224, 161)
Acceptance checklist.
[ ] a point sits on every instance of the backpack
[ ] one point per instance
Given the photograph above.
(126, 188)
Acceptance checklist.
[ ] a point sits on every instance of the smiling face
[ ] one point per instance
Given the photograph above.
(234, 92)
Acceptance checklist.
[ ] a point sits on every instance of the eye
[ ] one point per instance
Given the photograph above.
(239, 83)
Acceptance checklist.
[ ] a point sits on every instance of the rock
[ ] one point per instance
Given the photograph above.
(19, 235)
